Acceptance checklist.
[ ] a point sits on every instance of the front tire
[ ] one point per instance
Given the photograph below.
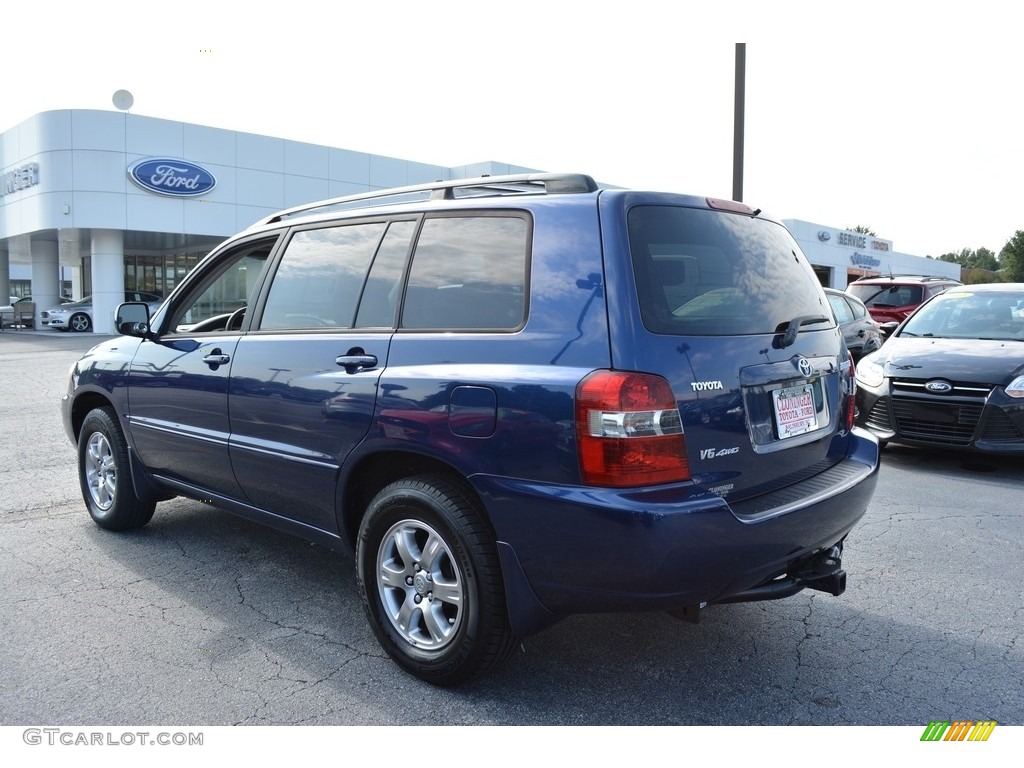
(105, 477)
(430, 581)
(80, 322)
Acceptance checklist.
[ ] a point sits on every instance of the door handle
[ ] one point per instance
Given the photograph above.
(216, 358)
(353, 363)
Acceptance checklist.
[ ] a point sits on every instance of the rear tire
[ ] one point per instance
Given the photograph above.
(430, 581)
(105, 476)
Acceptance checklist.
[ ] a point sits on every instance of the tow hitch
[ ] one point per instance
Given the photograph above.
(825, 573)
(822, 571)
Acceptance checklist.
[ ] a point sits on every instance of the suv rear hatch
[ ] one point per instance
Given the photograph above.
(724, 306)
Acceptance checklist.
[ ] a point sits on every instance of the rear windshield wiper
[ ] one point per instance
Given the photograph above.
(793, 328)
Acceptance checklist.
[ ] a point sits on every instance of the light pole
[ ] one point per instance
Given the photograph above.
(737, 127)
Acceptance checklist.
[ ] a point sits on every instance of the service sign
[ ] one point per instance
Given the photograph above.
(176, 178)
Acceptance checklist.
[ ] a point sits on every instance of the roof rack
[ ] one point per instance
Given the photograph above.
(481, 186)
(923, 278)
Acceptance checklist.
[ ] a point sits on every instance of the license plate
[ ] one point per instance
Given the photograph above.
(794, 410)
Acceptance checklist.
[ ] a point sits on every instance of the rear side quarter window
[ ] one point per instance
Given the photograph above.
(469, 273)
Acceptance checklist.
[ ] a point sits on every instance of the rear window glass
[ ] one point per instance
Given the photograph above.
(888, 295)
(701, 272)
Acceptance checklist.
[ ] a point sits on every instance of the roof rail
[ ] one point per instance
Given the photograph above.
(893, 277)
(481, 186)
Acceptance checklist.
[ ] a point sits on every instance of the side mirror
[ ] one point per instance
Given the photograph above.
(887, 329)
(132, 319)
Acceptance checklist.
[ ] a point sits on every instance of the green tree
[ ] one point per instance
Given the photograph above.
(984, 259)
(861, 229)
(974, 276)
(1011, 258)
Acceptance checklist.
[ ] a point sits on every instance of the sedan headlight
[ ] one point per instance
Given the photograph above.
(869, 373)
(1016, 387)
(58, 312)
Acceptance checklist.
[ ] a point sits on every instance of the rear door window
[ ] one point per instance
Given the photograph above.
(841, 308)
(704, 272)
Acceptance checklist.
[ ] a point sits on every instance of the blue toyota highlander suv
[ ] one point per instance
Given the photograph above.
(510, 399)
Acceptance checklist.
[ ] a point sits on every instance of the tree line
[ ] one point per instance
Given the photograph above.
(984, 266)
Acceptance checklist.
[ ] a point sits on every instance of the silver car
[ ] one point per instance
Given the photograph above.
(77, 316)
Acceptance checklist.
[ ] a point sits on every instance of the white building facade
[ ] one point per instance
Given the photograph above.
(840, 256)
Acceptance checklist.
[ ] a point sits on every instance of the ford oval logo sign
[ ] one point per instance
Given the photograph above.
(824, 235)
(938, 387)
(177, 178)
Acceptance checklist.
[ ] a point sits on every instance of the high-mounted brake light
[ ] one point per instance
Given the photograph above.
(731, 205)
(628, 431)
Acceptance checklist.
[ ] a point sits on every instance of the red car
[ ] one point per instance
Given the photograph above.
(892, 299)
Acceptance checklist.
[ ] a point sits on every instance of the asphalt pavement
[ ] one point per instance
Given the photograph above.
(202, 618)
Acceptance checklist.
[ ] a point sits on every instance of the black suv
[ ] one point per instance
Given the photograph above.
(510, 398)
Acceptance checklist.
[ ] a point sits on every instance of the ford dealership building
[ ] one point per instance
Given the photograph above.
(99, 202)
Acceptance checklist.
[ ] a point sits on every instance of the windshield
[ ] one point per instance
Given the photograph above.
(701, 272)
(967, 315)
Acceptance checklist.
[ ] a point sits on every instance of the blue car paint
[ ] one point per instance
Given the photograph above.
(284, 435)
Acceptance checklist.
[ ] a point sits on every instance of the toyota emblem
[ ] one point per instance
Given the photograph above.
(805, 367)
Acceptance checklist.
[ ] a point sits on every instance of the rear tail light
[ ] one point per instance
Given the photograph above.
(850, 388)
(628, 431)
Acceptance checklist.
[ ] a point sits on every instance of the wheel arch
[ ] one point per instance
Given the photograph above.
(372, 472)
(84, 403)
(526, 613)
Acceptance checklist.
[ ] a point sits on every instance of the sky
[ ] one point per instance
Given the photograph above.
(876, 114)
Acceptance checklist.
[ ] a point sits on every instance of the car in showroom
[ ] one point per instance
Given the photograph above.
(861, 332)
(892, 299)
(508, 399)
(952, 375)
(77, 315)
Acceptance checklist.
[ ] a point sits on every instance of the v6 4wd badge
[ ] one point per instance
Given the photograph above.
(714, 453)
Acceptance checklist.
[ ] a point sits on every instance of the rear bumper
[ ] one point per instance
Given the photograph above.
(592, 550)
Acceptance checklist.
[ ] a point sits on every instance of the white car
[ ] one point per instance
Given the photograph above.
(77, 316)
(7, 312)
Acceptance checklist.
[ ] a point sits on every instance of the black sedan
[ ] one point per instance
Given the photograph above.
(862, 333)
(952, 375)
